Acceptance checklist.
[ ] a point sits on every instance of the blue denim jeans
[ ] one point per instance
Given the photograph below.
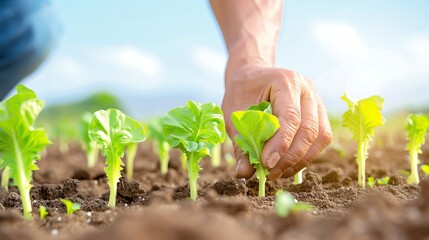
(28, 30)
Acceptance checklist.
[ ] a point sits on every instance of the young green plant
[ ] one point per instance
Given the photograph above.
(161, 145)
(42, 212)
(114, 131)
(416, 128)
(371, 182)
(71, 207)
(191, 128)
(130, 152)
(297, 179)
(425, 169)
(383, 181)
(285, 203)
(361, 118)
(216, 154)
(20, 142)
(89, 145)
(255, 126)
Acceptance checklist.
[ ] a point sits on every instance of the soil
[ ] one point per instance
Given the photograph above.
(155, 206)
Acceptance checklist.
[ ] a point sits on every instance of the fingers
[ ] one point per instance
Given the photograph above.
(306, 134)
(286, 101)
(322, 141)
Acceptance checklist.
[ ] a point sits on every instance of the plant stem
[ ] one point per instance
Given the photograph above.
(131, 155)
(113, 186)
(5, 176)
(261, 175)
(183, 159)
(113, 180)
(26, 201)
(414, 176)
(297, 179)
(361, 159)
(193, 169)
(92, 154)
(216, 154)
(164, 156)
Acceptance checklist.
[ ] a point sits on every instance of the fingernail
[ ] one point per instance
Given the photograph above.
(273, 159)
(238, 166)
(289, 172)
(275, 174)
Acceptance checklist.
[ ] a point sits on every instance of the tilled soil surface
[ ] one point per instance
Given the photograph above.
(154, 206)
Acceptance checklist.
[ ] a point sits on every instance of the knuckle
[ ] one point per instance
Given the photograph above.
(311, 131)
(326, 138)
(293, 117)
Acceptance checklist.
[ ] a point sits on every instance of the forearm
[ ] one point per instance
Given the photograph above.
(250, 30)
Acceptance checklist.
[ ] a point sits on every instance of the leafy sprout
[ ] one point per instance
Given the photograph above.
(255, 126)
(371, 182)
(383, 181)
(89, 145)
(297, 179)
(416, 128)
(131, 152)
(285, 204)
(20, 142)
(114, 131)
(42, 212)
(71, 207)
(191, 128)
(361, 118)
(161, 145)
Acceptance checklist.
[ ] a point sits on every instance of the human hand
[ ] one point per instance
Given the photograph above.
(304, 126)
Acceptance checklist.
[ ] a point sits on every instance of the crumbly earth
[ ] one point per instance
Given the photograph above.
(155, 206)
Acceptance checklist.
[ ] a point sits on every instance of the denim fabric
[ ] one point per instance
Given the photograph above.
(28, 29)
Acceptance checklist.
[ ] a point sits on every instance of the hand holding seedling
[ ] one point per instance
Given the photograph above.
(250, 31)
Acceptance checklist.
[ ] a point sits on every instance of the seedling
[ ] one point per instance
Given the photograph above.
(297, 179)
(285, 203)
(161, 145)
(361, 119)
(216, 154)
(42, 212)
(371, 182)
(71, 207)
(255, 126)
(425, 169)
(383, 181)
(5, 176)
(416, 128)
(191, 128)
(20, 142)
(131, 152)
(114, 131)
(89, 145)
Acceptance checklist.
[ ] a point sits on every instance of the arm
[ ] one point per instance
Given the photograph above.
(250, 29)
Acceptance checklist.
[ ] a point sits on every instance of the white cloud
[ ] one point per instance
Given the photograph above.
(209, 59)
(132, 59)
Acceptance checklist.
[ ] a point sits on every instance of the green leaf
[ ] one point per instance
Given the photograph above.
(416, 127)
(371, 182)
(383, 181)
(42, 212)
(112, 130)
(363, 116)
(425, 169)
(20, 142)
(190, 127)
(71, 207)
(285, 203)
(255, 126)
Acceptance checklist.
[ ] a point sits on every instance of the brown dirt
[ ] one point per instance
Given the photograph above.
(155, 206)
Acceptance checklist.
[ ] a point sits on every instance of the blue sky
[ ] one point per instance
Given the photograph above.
(157, 54)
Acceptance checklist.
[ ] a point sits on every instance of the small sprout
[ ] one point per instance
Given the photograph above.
(5, 176)
(416, 127)
(383, 181)
(285, 203)
(131, 153)
(425, 169)
(161, 146)
(361, 118)
(297, 179)
(371, 182)
(114, 131)
(216, 154)
(191, 128)
(87, 144)
(71, 207)
(255, 126)
(42, 212)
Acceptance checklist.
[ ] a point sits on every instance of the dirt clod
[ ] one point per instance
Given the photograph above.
(231, 187)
